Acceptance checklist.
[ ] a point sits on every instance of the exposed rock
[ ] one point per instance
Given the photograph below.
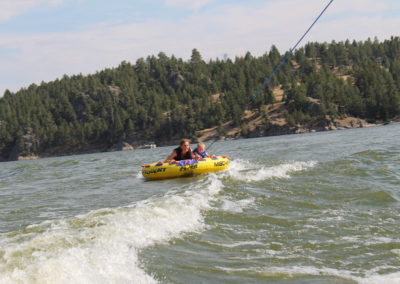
(351, 122)
(216, 97)
(276, 129)
(115, 90)
(14, 154)
(23, 158)
(176, 79)
(121, 146)
(395, 121)
(322, 125)
(25, 147)
(301, 129)
(314, 106)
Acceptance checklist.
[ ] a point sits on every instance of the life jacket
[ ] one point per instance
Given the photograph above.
(179, 155)
(203, 155)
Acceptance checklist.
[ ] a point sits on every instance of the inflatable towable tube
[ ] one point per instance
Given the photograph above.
(184, 168)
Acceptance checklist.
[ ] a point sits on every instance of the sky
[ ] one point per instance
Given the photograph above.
(42, 40)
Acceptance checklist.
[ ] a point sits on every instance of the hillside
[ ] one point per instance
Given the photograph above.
(270, 120)
(161, 99)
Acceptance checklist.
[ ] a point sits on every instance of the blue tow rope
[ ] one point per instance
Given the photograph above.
(268, 79)
(276, 69)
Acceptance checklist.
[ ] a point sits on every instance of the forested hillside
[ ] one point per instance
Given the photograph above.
(161, 98)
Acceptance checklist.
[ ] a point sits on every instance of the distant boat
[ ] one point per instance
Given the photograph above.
(148, 146)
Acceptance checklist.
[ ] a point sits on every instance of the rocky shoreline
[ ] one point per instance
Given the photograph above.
(271, 129)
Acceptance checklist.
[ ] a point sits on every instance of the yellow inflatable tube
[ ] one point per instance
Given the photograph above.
(185, 168)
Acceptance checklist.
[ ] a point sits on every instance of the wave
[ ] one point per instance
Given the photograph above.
(18, 169)
(237, 244)
(377, 196)
(237, 206)
(297, 272)
(250, 172)
(102, 246)
(64, 163)
(393, 278)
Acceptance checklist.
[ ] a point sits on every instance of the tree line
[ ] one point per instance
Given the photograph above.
(162, 98)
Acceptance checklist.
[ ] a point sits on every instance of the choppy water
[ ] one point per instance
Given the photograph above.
(310, 208)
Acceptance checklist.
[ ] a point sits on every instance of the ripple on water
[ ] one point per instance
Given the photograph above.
(329, 215)
(64, 163)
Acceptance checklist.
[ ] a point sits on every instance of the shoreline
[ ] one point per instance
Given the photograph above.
(285, 130)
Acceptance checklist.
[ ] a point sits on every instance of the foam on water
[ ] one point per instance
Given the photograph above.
(301, 271)
(237, 244)
(237, 206)
(246, 171)
(102, 246)
(291, 272)
(393, 278)
(139, 175)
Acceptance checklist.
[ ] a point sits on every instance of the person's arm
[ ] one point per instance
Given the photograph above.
(196, 155)
(171, 158)
(210, 156)
(192, 154)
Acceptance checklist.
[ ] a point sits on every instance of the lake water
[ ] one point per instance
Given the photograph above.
(311, 208)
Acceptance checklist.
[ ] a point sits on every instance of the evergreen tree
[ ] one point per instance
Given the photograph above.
(164, 98)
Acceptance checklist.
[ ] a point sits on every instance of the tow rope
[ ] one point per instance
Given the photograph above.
(286, 57)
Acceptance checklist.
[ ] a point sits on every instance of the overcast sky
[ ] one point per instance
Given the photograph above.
(41, 40)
